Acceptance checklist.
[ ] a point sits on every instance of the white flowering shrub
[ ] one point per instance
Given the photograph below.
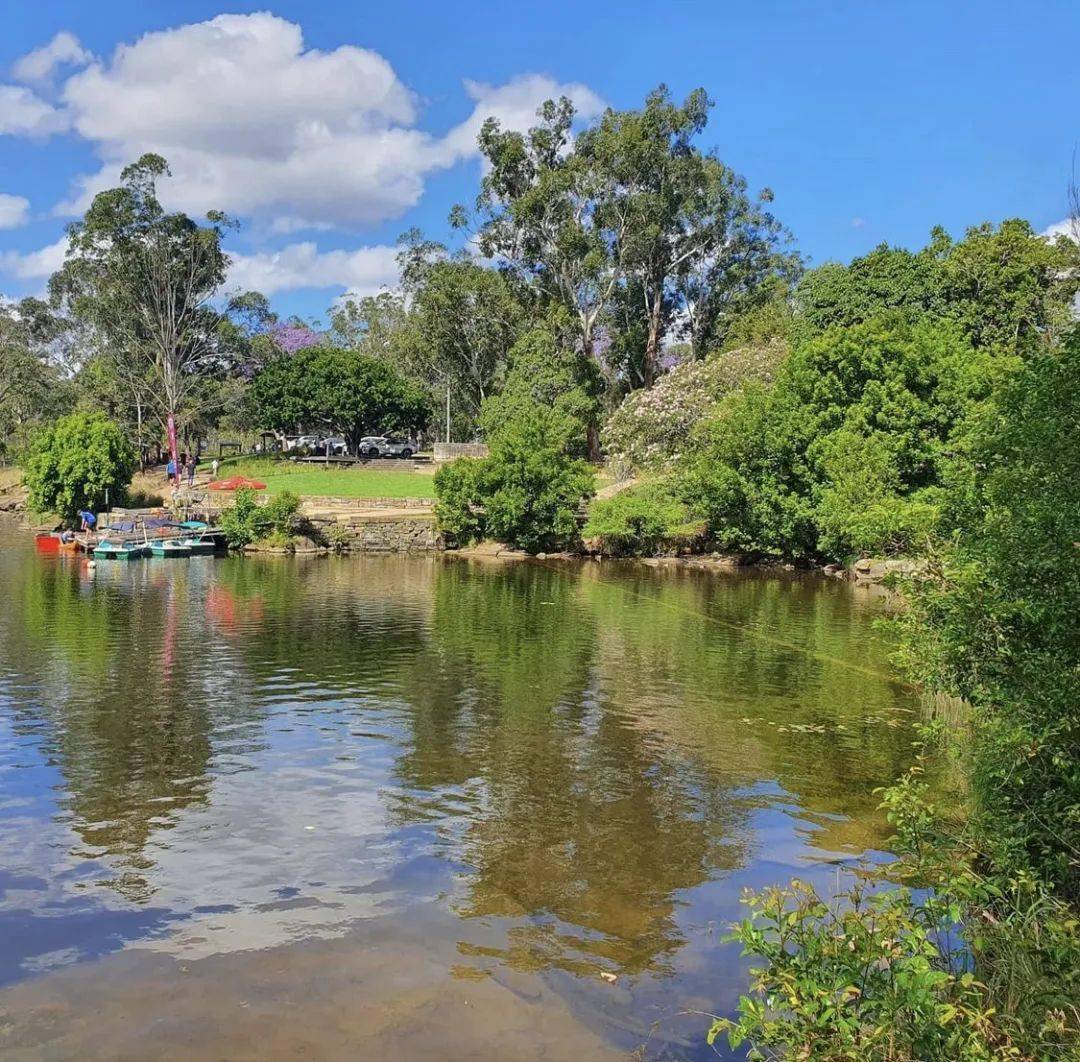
(652, 427)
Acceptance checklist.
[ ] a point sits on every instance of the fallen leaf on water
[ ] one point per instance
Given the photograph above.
(609, 977)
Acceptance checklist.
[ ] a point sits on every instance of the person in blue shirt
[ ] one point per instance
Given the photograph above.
(89, 520)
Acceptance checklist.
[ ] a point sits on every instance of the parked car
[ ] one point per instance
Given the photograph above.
(335, 445)
(386, 446)
(302, 442)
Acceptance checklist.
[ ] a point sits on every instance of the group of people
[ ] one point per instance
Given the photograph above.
(188, 464)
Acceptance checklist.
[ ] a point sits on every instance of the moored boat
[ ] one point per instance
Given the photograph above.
(120, 549)
(170, 547)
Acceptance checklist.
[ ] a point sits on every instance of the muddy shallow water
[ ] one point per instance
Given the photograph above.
(414, 807)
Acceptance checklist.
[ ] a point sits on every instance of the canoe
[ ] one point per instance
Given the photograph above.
(170, 547)
(120, 550)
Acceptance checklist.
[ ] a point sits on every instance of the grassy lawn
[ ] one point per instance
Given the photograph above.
(384, 479)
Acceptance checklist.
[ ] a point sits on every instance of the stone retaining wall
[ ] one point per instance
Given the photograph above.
(443, 451)
(373, 533)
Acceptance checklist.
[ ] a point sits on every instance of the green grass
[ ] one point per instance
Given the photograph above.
(382, 480)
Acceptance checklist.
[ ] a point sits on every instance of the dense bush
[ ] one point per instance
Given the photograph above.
(246, 521)
(652, 428)
(935, 961)
(842, 453)
(982, 959)
(545, 371)
(526, 493)
(76, 463)
(638, 520)
(997, 621)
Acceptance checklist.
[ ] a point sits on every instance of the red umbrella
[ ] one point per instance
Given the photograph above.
(236, 482)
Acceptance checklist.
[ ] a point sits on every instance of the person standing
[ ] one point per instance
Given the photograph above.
(193, 462)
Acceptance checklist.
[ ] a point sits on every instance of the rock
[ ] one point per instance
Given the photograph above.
(541, 556)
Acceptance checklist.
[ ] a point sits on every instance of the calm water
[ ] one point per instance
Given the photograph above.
(413, 807)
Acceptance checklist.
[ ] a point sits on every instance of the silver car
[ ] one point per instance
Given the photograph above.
(386, 446)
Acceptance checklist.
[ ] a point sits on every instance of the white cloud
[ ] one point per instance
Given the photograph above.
(34, 265)
(38, 66)
(22, 113)
(1068, 227)
(364, 271)
(14, 211)
(253, 123)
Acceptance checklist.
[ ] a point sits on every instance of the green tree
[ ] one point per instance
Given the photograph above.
(538, 210)
(142, 280)
(372, 325)
(526, 493)
(996, 622)
(336, 390)
(31, 384)
(544, 371)
(879, 402)
(76, 463)
(463, 320)
(1007, 287)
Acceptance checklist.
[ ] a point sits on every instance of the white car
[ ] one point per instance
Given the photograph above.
(386, 446)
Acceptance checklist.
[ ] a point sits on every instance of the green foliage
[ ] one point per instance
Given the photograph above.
(141, 281)
(459, 490)
(844, 452)
(932, 960)
(627, 225)
(336, 390)
(976, 953)
(31, 386)
(1006, 288)
(246, 521)
(542, 371)
(862, 978)
(76, 462)
(653, 427)
(526, 492)
(636, 521)
(996, 619)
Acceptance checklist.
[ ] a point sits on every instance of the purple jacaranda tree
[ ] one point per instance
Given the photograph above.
(289, 338)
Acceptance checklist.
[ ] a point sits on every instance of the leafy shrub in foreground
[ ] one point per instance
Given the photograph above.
(246, 521)
(526, 493)
(74, 463)
(638, 520)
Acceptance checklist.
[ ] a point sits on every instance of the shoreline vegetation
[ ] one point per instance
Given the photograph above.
(629, 307)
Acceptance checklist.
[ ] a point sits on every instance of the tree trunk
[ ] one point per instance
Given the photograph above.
(651, 361)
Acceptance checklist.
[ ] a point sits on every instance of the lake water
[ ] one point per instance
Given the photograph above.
(390, 807)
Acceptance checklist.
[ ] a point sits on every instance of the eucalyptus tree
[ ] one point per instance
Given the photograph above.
(463, 319)
(540, 217)
(143, 281)
(371, 324)
(696, 247)
(32, 383)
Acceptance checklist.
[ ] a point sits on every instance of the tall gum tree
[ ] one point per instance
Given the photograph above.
(142, 280)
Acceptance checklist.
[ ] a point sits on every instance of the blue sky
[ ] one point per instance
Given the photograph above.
(329, 128)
